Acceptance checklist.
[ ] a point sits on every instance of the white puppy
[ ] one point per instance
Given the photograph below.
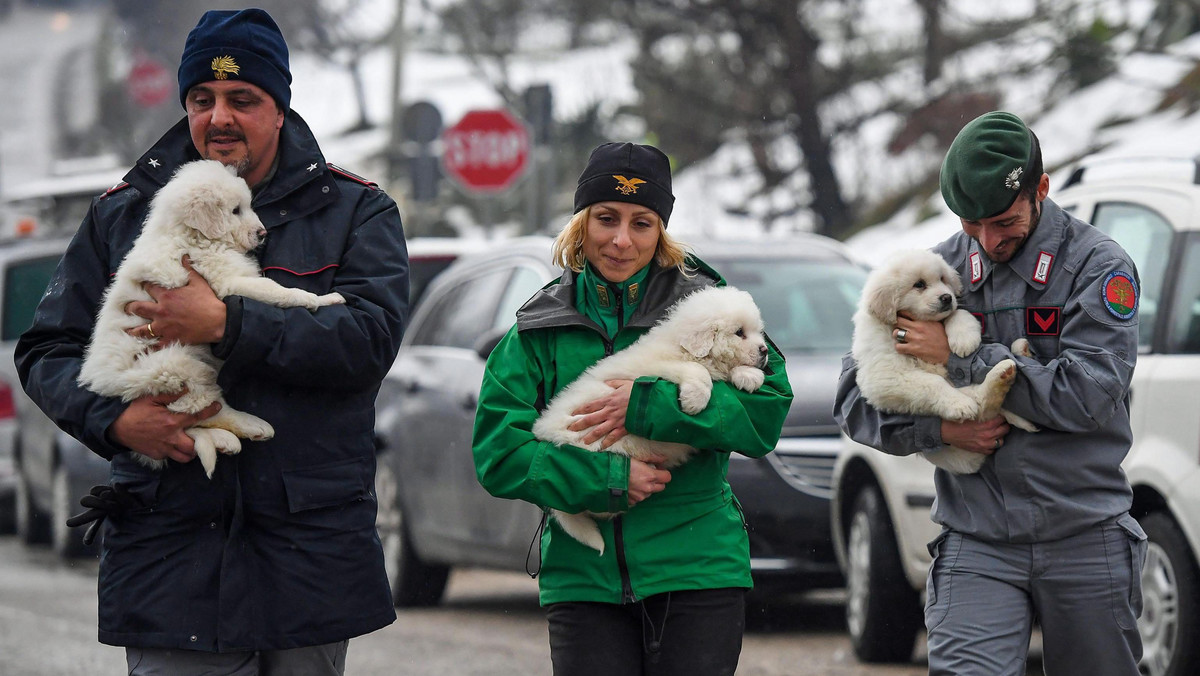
(715, 333)
(203, 212)
(922, 286)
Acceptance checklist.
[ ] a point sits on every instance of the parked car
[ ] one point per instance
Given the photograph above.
(44, 487)
(881, 503)
(49, 469)
(429, 256)
(434, 515)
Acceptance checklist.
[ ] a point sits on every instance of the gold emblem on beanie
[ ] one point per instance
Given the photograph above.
(1013, 180)
(627, 186)
(224, 66)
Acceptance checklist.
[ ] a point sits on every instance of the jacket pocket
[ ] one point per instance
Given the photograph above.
(937, 584)
(327, 485)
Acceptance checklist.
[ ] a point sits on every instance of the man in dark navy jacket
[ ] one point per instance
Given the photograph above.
(274, 564)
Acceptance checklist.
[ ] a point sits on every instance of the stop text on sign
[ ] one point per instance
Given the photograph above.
(487, 151)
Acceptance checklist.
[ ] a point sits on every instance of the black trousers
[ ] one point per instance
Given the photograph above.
(681, 633)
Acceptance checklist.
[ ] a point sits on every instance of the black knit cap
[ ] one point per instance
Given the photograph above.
(627, 172)
(987, 165)
(241, 44)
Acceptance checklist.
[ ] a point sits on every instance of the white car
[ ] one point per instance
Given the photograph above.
(881, 503)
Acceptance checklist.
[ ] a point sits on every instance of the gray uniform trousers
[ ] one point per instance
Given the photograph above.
(1083, 590)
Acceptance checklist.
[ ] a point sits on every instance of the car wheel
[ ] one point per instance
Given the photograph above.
(32, 526)
(67, 542)
(883, 611)
(415, 584)
(1170, 602)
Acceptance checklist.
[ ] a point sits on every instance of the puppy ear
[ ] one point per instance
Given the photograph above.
(883, 301)
(205, 211)
(700, 343)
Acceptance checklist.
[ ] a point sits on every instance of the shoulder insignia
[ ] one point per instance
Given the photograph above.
(1041, 271)
(976, 267)
(352, 176)
(1119, 293)
(115, 189)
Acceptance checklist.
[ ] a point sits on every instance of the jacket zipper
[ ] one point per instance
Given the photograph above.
(618, 523)
(623, 567)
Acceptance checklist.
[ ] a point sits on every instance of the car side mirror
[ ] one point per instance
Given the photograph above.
(488, 342)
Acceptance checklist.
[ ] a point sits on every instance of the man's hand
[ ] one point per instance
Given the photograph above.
(978, 436)
(191, 314)
(605, 416)
(925, 340)
(646, 479)
(150, 428)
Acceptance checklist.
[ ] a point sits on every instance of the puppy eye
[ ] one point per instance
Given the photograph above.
(920, 284)
(237, 210)
(741, 333)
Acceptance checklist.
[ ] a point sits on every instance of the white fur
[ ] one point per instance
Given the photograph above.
(202, 212)
(698, 342)
(922, 286)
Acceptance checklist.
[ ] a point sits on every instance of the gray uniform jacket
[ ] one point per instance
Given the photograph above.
(1072, 291)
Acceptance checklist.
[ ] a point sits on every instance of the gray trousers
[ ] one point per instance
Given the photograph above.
(321, 660)
(1084, 591)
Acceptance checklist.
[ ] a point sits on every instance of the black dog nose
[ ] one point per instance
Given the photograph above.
(946, 299)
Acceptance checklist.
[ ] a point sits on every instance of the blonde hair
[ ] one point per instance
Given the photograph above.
(568, 246)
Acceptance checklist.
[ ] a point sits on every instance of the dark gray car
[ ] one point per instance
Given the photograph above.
(433, 513)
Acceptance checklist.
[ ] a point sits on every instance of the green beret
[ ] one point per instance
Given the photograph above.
(986, 166)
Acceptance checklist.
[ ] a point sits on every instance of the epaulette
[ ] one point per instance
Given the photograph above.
(352, 176)
(115, 189)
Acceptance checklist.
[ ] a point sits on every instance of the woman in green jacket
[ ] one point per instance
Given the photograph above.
(668, 594)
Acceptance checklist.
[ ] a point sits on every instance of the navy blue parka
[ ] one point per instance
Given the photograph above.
(279, 549)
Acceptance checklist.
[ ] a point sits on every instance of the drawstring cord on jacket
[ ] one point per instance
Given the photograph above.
(536, 542)
(653, 645)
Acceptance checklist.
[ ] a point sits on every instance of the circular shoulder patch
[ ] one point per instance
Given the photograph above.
(1119, 294)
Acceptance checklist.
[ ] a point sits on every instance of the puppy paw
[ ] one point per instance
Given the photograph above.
(1019, 422)
(962, 408)
(963, 333)
(1022, 348)
(248, 426)
(1004, 372)
(334, 298)
(693, 398)
(747, 378)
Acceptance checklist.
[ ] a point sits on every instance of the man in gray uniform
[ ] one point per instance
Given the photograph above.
(1043, 529)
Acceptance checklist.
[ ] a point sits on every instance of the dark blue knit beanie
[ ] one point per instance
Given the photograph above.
(237, 45)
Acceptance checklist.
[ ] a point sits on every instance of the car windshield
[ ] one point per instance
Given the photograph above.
(807, 306)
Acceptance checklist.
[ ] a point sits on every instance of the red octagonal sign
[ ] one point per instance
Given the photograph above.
(486, 151)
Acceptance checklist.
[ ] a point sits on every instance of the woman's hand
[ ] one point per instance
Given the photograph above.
(605, 416)
(646, 479)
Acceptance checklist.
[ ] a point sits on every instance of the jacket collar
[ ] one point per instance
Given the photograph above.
(1035, 262)
(300, 165)
(554, 305)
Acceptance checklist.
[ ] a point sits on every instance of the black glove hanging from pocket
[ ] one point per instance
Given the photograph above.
(102, 502)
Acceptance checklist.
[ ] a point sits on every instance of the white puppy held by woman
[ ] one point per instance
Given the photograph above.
(715, 333)
(922, 286)
(204, 213)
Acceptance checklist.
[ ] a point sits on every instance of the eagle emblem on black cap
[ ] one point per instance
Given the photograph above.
(223, 66)
(627, 186)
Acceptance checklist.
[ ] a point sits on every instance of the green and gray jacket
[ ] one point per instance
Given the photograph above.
(689, 536)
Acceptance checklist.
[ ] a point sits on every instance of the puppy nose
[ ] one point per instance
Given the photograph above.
(762, 349)
(946, 299)
(262, 233)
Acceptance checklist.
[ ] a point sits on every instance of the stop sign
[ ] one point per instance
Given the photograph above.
(148, 83)
(486, 151)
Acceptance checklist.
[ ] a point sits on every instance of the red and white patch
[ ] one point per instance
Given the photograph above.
(976, 267)
(1041, 271)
